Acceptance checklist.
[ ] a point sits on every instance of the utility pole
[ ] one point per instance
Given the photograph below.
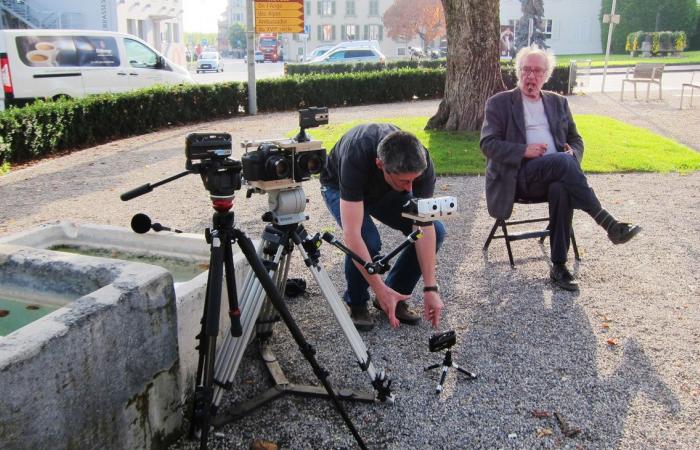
(612, 19)
(250, 59)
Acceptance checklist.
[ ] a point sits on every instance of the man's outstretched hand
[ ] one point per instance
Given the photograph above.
(388, 299)
(432, 308)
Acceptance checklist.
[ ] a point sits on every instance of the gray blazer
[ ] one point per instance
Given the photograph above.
(503, 143)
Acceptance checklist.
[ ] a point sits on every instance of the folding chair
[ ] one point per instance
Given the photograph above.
(509, 237)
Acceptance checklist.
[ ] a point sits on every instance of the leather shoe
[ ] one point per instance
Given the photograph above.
(562, 278)
(360, 317)
(403, 313)
(623, 232)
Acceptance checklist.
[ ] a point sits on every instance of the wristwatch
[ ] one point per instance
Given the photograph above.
(431, 289)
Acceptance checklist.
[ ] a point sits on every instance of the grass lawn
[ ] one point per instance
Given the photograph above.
(611, 146)
(598, 60)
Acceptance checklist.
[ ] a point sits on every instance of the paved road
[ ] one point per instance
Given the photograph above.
(237, 70)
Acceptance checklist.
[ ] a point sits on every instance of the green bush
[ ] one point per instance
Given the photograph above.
(307, 69)
(661, 41)
(46, 127)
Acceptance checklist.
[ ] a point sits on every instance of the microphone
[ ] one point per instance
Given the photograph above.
(141, 224)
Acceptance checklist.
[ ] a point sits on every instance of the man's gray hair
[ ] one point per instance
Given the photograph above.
(534, 50)
(402, 152)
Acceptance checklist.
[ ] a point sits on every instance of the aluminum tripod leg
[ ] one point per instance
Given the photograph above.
(378, 378)
(232, 349)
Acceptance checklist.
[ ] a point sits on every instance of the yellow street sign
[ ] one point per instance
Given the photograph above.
(279, 16)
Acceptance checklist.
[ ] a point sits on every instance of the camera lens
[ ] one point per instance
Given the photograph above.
(277, 167)
(311, 163)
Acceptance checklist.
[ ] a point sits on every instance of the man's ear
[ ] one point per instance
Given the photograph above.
(379, 163)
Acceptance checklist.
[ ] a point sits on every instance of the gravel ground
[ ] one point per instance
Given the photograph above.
(619, 361)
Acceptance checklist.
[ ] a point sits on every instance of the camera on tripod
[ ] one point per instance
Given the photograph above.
(283, 163)
(442, 341)
(209, 155)
(429, 209)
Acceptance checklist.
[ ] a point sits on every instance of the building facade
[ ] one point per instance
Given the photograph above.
(572, 26)
(158, 22)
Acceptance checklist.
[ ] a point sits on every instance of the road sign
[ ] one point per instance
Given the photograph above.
(279, 16)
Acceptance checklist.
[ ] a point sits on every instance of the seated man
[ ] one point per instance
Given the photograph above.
(534, 151)
(372, 171)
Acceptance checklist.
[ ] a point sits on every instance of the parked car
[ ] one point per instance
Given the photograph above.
(350, 54)
(259, 57)
(318, 51)
(210, 61)
(43, 63)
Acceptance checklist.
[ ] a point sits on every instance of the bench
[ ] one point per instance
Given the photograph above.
(692, 86)
(649, 73)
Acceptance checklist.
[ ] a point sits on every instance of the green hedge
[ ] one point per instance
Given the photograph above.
(307, 69)
(661, 41)
(43, 128)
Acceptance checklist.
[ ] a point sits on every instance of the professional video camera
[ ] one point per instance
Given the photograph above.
(284, 163)
(209, 155)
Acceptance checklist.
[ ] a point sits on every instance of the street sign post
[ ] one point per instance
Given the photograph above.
(279, 16)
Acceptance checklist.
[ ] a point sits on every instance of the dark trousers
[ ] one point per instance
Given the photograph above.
(405, 271)
(559, 179)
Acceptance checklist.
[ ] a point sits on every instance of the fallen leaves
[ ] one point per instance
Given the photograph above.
(540, 414)
(566, 429)
(544, 432)
(262, 444)
(611, 342)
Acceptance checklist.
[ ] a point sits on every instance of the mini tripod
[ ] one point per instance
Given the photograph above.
(444, 341)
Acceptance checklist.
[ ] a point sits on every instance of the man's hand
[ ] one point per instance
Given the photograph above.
(432, 308)
(568, 150)
(535, 150)
(388, 299)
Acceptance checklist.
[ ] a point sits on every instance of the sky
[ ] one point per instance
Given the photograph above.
(202, 15)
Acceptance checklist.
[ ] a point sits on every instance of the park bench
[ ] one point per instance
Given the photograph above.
(692, 85)
(649, 73)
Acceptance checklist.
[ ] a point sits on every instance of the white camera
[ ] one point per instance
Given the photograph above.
(429, 209)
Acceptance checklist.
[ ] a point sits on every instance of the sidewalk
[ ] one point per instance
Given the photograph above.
(619, 360)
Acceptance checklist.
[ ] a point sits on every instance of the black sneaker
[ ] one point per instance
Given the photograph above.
(361, 318)
(623, 232)
(562, 278)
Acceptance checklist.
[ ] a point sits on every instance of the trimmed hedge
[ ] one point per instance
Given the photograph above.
(47, 127)
(661, 41)
(307, 69)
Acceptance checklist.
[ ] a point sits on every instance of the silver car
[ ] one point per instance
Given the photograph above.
(351, 55)
(210, 61)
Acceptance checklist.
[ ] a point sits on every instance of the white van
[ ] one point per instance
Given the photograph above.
(75, 63)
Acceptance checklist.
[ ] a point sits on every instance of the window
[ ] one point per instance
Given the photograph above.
(326, 33)
(350, 8)
(131, 27)
(373, 7)
(373, 32)
(168, 32)
(141, 29)
(401, 51)
(326, 8)
(349, 33)
(139, 55)
(307, 9)
(547, 26)
(176, 33)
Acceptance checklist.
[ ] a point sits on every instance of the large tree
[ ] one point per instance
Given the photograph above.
(406, 19)
(473, 67)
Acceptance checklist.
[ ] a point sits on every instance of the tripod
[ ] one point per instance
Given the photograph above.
(447, 362)
(221, 177)
(280, 237)
(221, 237)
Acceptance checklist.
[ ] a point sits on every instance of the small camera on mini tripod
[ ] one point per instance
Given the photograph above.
(445, 341)
(442, 341)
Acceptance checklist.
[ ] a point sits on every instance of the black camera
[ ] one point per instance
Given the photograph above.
(442, 341)
(313, 117)
(209, 155)
(269, 162)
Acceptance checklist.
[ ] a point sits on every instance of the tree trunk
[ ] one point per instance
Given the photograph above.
(473, 67)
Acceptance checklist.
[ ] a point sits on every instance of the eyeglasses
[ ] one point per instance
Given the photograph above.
(536, 71)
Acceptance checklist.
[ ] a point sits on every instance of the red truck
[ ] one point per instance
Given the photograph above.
(269, 45)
